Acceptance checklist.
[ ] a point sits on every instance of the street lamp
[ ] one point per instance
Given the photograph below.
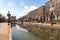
(8, 17)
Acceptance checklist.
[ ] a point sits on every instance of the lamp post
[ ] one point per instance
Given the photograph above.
(8, 17)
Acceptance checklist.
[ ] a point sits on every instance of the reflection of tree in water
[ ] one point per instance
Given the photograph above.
(13, 25)
(46, 34)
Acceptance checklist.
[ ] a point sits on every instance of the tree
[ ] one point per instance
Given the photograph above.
(2, 18)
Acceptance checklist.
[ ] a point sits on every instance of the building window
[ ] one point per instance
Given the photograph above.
(57, 2)
(58, 10)
(51, 7)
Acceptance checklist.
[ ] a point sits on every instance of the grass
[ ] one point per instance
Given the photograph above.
(54, 21)
(57, 20)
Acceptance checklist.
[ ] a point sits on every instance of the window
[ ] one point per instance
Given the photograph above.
(51, 7)
(58, 10)
(57, 2)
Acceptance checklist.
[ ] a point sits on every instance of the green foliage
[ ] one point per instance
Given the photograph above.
(57, 20)
(54, 21)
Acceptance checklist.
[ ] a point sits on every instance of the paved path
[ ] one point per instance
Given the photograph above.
(44, 24)
(4, 31)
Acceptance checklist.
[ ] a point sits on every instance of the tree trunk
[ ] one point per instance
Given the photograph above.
(57, 17)
(47, 18)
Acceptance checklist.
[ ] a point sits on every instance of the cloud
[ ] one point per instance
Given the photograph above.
(26, 11)
(9, 6)
(17, 13)
(3, 12)
(5, 6)
(0, 1)
(26, 7)
(13, 12)
(33, 8)
(22, 3)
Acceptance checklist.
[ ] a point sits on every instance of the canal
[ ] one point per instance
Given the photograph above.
(45, 33)
(19, 33)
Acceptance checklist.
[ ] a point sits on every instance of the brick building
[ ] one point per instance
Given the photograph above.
(37, 13)
(52, 5)
(57, 8)
(45, 11)
(13, 19)
(41, 12)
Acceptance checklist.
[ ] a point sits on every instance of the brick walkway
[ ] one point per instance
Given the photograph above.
(4, 31)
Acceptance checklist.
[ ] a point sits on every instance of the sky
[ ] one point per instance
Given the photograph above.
(19, 8)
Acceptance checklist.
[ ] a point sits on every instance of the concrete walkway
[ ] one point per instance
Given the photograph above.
(4, 31)
(44, 24)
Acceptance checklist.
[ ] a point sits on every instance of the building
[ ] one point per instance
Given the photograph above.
(57, 9)
(13, 19)
(41, 12)
(45, 11)
(53, 5)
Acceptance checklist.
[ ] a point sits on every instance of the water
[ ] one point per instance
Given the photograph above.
(46, 33)
(19, 33)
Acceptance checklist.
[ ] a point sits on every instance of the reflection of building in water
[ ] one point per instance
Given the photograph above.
(13, 25)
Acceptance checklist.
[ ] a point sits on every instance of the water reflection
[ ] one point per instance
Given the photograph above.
(19, 28)
(19, 33)
(45, 33)
(13, 25)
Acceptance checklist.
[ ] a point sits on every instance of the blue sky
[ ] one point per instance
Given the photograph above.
(19, 8)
